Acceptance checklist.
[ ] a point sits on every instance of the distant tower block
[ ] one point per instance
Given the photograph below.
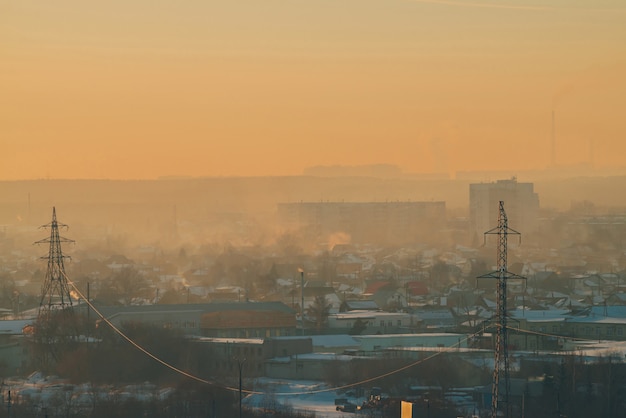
(55, 292)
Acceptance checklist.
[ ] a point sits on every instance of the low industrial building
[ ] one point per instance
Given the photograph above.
(222, 356)
(370, 322)
(216, 319)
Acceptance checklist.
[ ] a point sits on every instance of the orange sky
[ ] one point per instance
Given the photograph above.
(144, 88)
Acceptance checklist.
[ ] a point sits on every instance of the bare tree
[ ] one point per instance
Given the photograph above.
(318, 312)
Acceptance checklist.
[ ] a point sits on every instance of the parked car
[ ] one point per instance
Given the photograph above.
(346, 407)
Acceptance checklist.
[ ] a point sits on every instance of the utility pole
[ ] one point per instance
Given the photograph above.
(9, 404)
(501, 355)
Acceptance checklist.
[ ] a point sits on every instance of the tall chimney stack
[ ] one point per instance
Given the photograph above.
(553, 143)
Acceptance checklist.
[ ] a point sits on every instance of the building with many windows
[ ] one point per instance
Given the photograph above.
(521, 204)
(366, 222)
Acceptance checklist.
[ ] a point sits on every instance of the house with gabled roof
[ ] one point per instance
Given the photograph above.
(616, 299)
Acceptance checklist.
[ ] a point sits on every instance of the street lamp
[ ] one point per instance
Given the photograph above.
(302, 299)
(240, 363)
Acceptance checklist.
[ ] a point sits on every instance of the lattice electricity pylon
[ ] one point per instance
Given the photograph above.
(55, 292)
(501, 355)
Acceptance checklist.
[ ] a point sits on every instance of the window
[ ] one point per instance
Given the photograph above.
(390, 323)
(382, 323)
(619, 331)
(399, 322)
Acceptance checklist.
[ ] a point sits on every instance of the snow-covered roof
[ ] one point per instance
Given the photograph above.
(539, 315)
(14, 327)
(595, 319)
(341, 340)
(258, 341)
(366, 315)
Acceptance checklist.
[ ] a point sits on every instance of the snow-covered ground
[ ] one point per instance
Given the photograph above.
(298, 395)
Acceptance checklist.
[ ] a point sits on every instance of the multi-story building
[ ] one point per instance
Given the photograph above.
(380, 222)
(521, 204)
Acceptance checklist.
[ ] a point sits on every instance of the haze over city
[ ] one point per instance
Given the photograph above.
(141, 90)
(307, 208)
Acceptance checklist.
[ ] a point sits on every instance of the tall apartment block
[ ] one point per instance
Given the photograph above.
(520, 201)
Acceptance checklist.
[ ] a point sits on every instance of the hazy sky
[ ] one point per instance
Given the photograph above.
(145, 88)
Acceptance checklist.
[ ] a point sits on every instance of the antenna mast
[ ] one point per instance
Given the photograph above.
(501, 355)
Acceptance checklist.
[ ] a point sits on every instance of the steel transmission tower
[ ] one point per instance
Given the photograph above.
(55, 292)
(501, 355)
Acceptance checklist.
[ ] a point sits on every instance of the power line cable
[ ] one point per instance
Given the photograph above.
(252, 392)
(140, 348)
(184, 373)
